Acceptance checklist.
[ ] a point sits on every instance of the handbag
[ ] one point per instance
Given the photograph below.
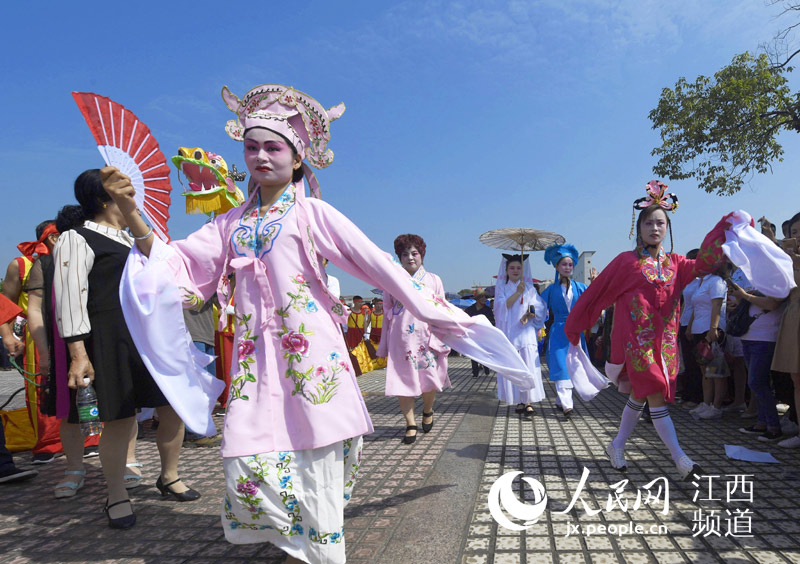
(718, 367)
(739, 320)
(703, 353)
(17, 427)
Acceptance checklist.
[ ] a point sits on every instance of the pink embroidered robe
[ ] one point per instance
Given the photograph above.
(292, 385)
(416, 359)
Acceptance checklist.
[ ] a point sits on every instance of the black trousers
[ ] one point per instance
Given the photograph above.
(690, 382)
(476, 368)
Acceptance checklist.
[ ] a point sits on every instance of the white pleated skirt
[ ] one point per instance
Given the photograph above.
(294, 499)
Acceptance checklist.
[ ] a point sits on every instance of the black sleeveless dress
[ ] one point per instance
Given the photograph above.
(122, 381)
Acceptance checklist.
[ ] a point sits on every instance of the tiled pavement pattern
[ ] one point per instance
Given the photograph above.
(427, 503)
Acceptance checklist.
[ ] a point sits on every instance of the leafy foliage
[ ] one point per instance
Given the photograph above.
(724, 129)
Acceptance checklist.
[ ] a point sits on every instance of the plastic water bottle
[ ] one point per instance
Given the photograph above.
(88, 414)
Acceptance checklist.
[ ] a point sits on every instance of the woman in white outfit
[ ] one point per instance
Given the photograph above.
(520, 312)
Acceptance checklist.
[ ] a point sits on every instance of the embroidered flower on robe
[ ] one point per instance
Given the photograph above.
(294, 342)
(645, 336)
(439, 301)
(246, 348)
(249, 487)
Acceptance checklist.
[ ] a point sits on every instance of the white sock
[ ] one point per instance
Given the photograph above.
(630, 417)
(666, 430)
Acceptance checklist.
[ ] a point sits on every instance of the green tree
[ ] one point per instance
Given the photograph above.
(724, 129)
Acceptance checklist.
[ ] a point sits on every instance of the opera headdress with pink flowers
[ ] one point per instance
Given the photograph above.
(656, 194)
(291, 113)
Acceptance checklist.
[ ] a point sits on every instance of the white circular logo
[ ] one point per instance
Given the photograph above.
(502, 494)
(94, 412)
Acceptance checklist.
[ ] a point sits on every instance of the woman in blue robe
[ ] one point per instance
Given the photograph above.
(560, 296)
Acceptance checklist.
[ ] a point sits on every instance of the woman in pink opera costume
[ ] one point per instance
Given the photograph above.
(520, 313)
(645, 285)
(292, 434)
(417, 360)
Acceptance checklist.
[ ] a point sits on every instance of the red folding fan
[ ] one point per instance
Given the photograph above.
(126, 143)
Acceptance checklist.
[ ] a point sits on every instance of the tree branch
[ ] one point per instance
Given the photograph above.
(789, 58)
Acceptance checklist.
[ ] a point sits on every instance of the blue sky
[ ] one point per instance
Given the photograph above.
(461, 116)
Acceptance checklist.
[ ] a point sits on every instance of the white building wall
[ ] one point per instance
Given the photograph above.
(584, 267)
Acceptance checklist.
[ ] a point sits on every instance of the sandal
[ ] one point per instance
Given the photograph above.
(408, 439)
(131, 479)
(529, 411)
(426, 427)
(520, 408)
(69, 488)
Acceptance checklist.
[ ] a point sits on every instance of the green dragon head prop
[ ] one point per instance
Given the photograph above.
(212, 189)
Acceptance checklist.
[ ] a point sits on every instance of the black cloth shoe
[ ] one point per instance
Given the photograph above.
(125, 522)
(17, 475)
(45, 457)
(426, 427)
(409, 439)
(91, 452)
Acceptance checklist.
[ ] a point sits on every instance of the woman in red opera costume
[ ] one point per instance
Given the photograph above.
(645, 286)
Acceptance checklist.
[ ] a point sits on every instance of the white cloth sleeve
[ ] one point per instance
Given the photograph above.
(768, 268)
(500, 308)
(73, 260)
(587, 380)
(540, 306)
(341, 242)
(153, 310)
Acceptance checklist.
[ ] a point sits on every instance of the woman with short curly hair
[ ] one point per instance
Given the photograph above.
(417, 360)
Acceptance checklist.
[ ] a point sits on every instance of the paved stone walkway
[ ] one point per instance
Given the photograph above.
(428, 503)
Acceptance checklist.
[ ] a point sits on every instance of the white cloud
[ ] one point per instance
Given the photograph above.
(542, 33)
